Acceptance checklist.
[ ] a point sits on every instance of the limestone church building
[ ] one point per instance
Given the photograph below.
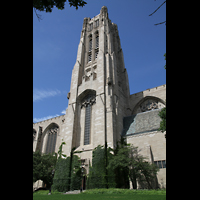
(100, 106)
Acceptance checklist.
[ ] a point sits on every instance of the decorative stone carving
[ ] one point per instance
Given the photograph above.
(149, 105)
(53, 130)
(89, 101)
(94, 72)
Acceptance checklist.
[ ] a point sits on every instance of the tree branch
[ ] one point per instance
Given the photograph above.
(38, 15)
(160, 23)
(157, 8)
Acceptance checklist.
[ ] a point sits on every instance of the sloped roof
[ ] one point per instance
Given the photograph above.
(141, 122)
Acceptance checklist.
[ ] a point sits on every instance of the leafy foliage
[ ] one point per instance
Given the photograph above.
(162, 115)
(43, 164)
(127, 157)
(75, 173)
(47, 5)
(60, 154)
(97, 177)
(61, 177)
(67, 172)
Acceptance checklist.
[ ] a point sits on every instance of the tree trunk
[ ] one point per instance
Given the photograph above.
(134, 183)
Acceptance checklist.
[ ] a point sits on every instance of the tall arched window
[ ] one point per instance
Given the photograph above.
(51, 139)
(87, 102)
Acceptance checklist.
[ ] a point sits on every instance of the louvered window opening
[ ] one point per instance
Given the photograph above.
(97, 41)
(89, 57)
(97, 46)
(90, 45)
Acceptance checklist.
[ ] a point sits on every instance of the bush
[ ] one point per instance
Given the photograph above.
(97, 177)
(62, 177)
(75, 173)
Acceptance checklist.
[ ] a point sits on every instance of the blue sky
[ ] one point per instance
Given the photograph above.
(55, 43)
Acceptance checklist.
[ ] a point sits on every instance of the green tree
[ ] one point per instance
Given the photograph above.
(43, 165)
(68, 171)
(37, 165)
(60, 152)
(121, 178)
(162, 115)
(128, 157)
(47, 5)
(75, 173)
(61, 176)
(97, 177)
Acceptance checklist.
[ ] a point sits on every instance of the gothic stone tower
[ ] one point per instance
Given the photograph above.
(99, 93)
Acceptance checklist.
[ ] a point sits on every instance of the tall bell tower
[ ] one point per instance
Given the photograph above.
(99, 92)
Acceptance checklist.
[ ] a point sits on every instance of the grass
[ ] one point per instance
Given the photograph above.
(99, 194)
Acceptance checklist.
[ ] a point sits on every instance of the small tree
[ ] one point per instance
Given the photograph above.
(61, 176)
(60, 151)
(37, 165)
(68, 171)
(43, 164)
(97, 177)
(75, 173)
(162, 115)
(128, 157)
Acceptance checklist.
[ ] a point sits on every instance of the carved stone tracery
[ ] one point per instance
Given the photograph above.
(53, 130)
(88, 101)
(149, 104)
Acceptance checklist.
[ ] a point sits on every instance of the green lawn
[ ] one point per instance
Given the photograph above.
(143, 195)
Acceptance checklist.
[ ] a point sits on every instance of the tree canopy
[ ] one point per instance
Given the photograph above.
(47, 5)
(43, 165)
(127, 158)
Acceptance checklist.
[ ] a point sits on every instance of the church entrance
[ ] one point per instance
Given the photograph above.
(84, 178)
(84, 182)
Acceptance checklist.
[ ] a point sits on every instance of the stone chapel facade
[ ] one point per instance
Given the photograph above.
(100, 107)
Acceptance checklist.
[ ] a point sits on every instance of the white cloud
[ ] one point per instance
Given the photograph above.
(35, 120)
(41, 94)
(64, 111)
